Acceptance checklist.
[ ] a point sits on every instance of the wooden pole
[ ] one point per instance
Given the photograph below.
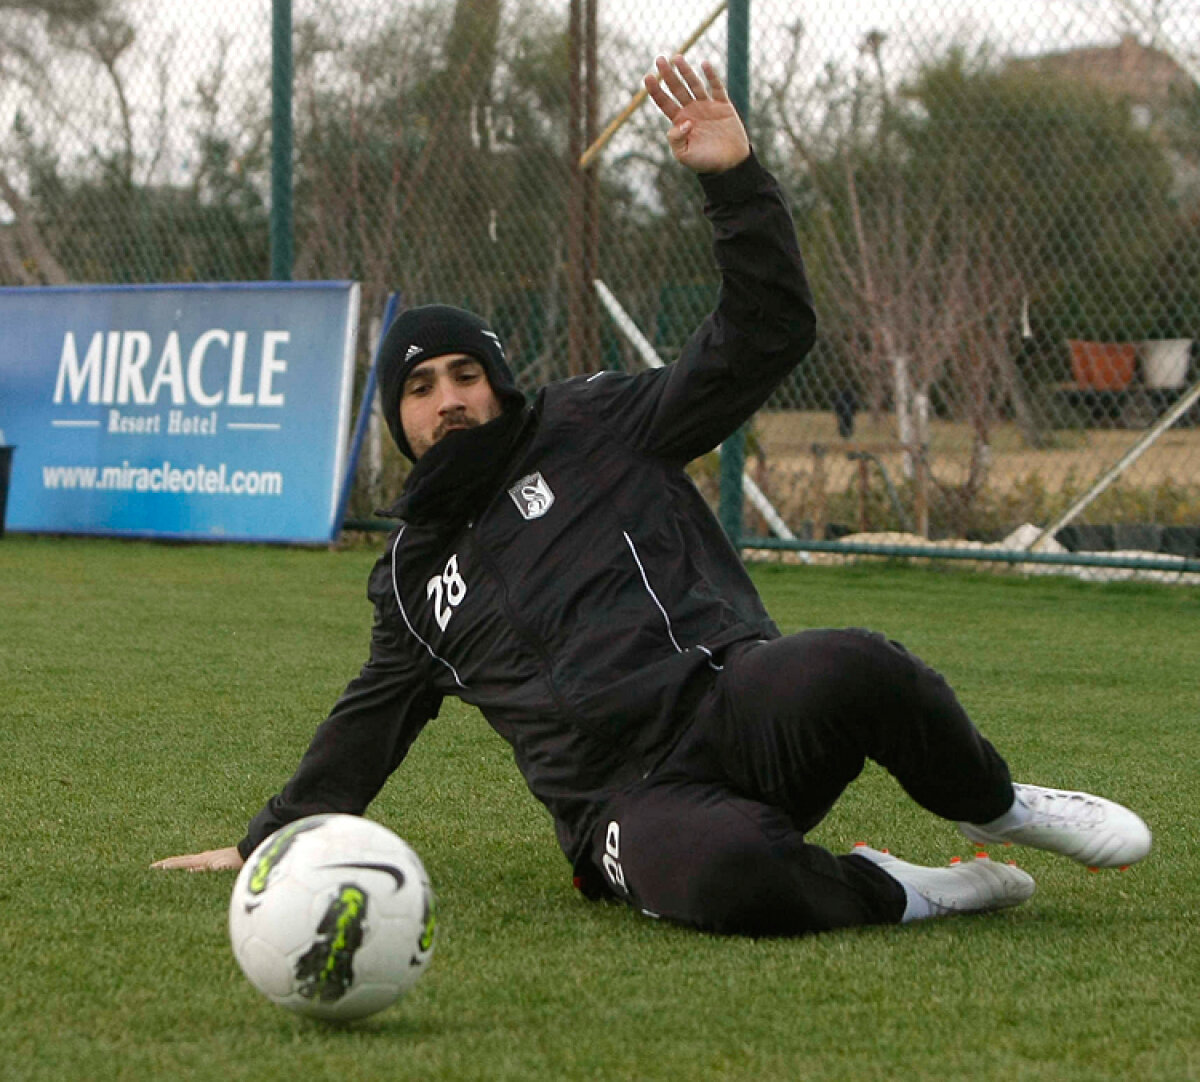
(635, 102)
(576, 282)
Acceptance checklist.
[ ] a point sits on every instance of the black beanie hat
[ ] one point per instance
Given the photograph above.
(434, 330)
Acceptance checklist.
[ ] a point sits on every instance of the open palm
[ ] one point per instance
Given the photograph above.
(706, 132)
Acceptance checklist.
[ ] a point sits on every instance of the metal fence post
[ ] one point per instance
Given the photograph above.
(281, 140)
(733, 450)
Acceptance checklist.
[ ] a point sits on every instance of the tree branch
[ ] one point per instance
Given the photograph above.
(31, 239)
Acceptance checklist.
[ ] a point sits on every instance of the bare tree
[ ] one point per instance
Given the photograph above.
(925, 293)
(24, 254)
(34, 35)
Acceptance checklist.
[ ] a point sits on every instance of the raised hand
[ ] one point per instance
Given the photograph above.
(706, 132)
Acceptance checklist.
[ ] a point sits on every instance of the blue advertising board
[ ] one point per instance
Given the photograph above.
(215, 412)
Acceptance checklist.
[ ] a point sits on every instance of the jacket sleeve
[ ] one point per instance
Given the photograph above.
(361, 742)
(762, 327)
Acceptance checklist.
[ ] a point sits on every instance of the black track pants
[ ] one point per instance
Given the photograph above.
(715, 838)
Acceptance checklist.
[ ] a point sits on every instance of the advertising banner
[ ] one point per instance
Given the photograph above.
(214, 412)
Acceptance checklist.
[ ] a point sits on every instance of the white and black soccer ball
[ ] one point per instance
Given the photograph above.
(333, 916)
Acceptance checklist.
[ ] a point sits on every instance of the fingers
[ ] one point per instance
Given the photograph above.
(695, 87)
(716, 85)
(679, 78)
(221, 861)
(212, 860)
(684, 85)
(666, 104)
(168, 863)
(186, 863)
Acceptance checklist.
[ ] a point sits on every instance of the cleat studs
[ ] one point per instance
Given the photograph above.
(1123, 868)
(955, 860)
(981, 854)
(1092, 868)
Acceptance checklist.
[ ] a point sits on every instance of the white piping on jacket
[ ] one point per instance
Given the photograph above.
(659, 604)
(407, 622)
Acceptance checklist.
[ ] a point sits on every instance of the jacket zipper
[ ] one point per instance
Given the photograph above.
(531, 640)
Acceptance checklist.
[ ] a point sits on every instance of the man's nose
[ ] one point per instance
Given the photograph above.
(450, 399)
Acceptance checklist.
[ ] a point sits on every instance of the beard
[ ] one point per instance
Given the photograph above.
(457, 423)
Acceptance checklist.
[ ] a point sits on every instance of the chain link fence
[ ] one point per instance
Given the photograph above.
(999, 205)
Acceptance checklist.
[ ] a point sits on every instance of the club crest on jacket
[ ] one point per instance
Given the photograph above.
(532, 496)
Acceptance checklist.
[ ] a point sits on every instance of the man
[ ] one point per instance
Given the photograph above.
(555, 567)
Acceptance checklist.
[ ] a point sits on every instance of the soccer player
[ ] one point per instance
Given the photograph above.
(554, 566)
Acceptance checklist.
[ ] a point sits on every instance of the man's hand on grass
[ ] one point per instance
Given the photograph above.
(211, 860)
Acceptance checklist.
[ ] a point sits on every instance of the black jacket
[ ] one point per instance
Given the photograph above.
(584, 608)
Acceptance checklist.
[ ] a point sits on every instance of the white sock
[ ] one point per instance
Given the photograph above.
(917, 906)
(1016, 816)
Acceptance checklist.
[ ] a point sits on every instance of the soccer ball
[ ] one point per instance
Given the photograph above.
(332, 916)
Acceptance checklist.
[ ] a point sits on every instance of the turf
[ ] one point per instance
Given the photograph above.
(154, 696)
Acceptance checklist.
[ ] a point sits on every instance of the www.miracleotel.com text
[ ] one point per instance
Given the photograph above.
(190, 480)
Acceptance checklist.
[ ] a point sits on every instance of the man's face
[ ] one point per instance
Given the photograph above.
(442, 394)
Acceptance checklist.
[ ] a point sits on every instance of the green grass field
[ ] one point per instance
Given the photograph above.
(155, 695)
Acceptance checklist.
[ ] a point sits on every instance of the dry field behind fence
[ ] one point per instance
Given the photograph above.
(806, 468)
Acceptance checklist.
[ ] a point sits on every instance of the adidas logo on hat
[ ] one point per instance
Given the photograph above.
(413, 351)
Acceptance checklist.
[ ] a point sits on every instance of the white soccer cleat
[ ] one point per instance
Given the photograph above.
(966, 886)
(1097, 832)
